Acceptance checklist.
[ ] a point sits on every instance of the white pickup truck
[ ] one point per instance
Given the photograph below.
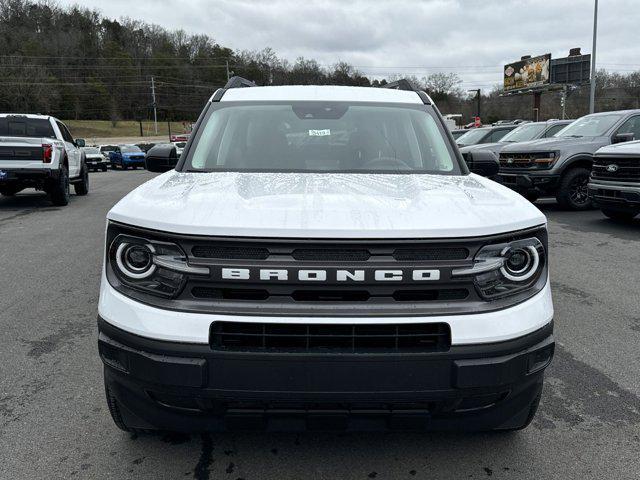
(37, 151)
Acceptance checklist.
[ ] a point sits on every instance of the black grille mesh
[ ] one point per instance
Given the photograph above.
(230, 253)
(628, 169)
(408, 254)
(355, 338)
(327, 255)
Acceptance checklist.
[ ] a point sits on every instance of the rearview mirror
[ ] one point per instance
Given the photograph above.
(483, 162)
(80, 142)
(623, 137)
(161, 158)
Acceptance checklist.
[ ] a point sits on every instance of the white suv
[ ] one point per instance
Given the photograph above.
(322, 258)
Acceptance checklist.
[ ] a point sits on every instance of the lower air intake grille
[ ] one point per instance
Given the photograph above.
(285, 337)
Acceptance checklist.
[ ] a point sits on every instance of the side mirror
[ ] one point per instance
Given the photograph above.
(623, 137)
(80, 142)
(483, 163)
(161, 158)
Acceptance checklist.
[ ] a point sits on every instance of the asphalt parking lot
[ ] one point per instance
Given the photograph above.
(54, 421)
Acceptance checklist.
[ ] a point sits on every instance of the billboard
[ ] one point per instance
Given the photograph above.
(530, 73)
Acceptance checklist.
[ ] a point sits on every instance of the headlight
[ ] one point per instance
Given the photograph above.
(504, 269)
(151, 266)
(544, 160)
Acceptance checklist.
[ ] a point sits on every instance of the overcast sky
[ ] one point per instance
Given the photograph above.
(473, 38)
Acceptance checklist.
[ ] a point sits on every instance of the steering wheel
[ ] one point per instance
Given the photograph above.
(387, 162)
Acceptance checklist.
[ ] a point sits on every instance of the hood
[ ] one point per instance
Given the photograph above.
(624, 148)
(554, 143)
(494, 147)
(310, 205)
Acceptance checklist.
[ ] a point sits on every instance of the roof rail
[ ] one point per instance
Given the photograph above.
(239, 82)
(402, 84)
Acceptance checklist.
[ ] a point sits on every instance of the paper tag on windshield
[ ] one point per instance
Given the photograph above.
(319, 133)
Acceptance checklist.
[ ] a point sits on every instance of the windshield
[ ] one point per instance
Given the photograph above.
(472, 136)
(590, 126)
(26, 127)
(180, 144)
(321, 137)
(91, 150)
(524, 132)
(108, 148)
(130, 149)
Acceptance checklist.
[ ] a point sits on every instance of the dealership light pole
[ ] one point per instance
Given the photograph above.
(592, 95)
(477, 91)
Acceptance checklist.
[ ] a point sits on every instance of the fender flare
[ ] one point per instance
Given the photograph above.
(580, 159)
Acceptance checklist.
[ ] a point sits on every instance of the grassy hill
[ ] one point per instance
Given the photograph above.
(124, 128)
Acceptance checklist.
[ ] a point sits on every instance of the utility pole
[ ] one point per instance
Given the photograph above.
(155, 110)
(592, 96)
(477, 90)
(228, 75)
(563, 102)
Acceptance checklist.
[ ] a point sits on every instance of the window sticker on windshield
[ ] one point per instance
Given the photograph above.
(320, 133)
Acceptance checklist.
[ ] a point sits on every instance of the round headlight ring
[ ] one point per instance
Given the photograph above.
(126, 254)
(528, 270)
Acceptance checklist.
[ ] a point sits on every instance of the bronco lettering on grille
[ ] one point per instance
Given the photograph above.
(322, 275)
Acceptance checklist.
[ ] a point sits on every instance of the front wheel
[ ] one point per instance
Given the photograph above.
(620, 215)
(573, 192)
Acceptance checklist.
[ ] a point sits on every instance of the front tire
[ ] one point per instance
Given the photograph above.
(59, 191)
(623, 216)
(573, 192)
(82, 187)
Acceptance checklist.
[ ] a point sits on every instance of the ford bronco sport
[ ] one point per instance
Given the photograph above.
(321, 258)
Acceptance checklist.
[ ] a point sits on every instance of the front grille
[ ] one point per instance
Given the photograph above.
(328, 295)
(525, 160)
(354, 338)
(250, 252)
(321, 278)
(627, 169)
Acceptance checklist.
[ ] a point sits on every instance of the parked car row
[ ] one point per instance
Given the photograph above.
(575, 162)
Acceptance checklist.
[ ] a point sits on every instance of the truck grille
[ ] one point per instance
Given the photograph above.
(326, 277)
(352, 338)
(525, 160)
(624, 169)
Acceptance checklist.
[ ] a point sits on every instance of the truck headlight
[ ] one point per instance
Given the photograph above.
(151, 266)
(504, 269)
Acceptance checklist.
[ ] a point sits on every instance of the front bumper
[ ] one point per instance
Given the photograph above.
(615, 194)
(97, 162)
(191, 387)
(540, 182)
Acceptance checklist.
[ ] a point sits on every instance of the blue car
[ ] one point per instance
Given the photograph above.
(125, 156)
